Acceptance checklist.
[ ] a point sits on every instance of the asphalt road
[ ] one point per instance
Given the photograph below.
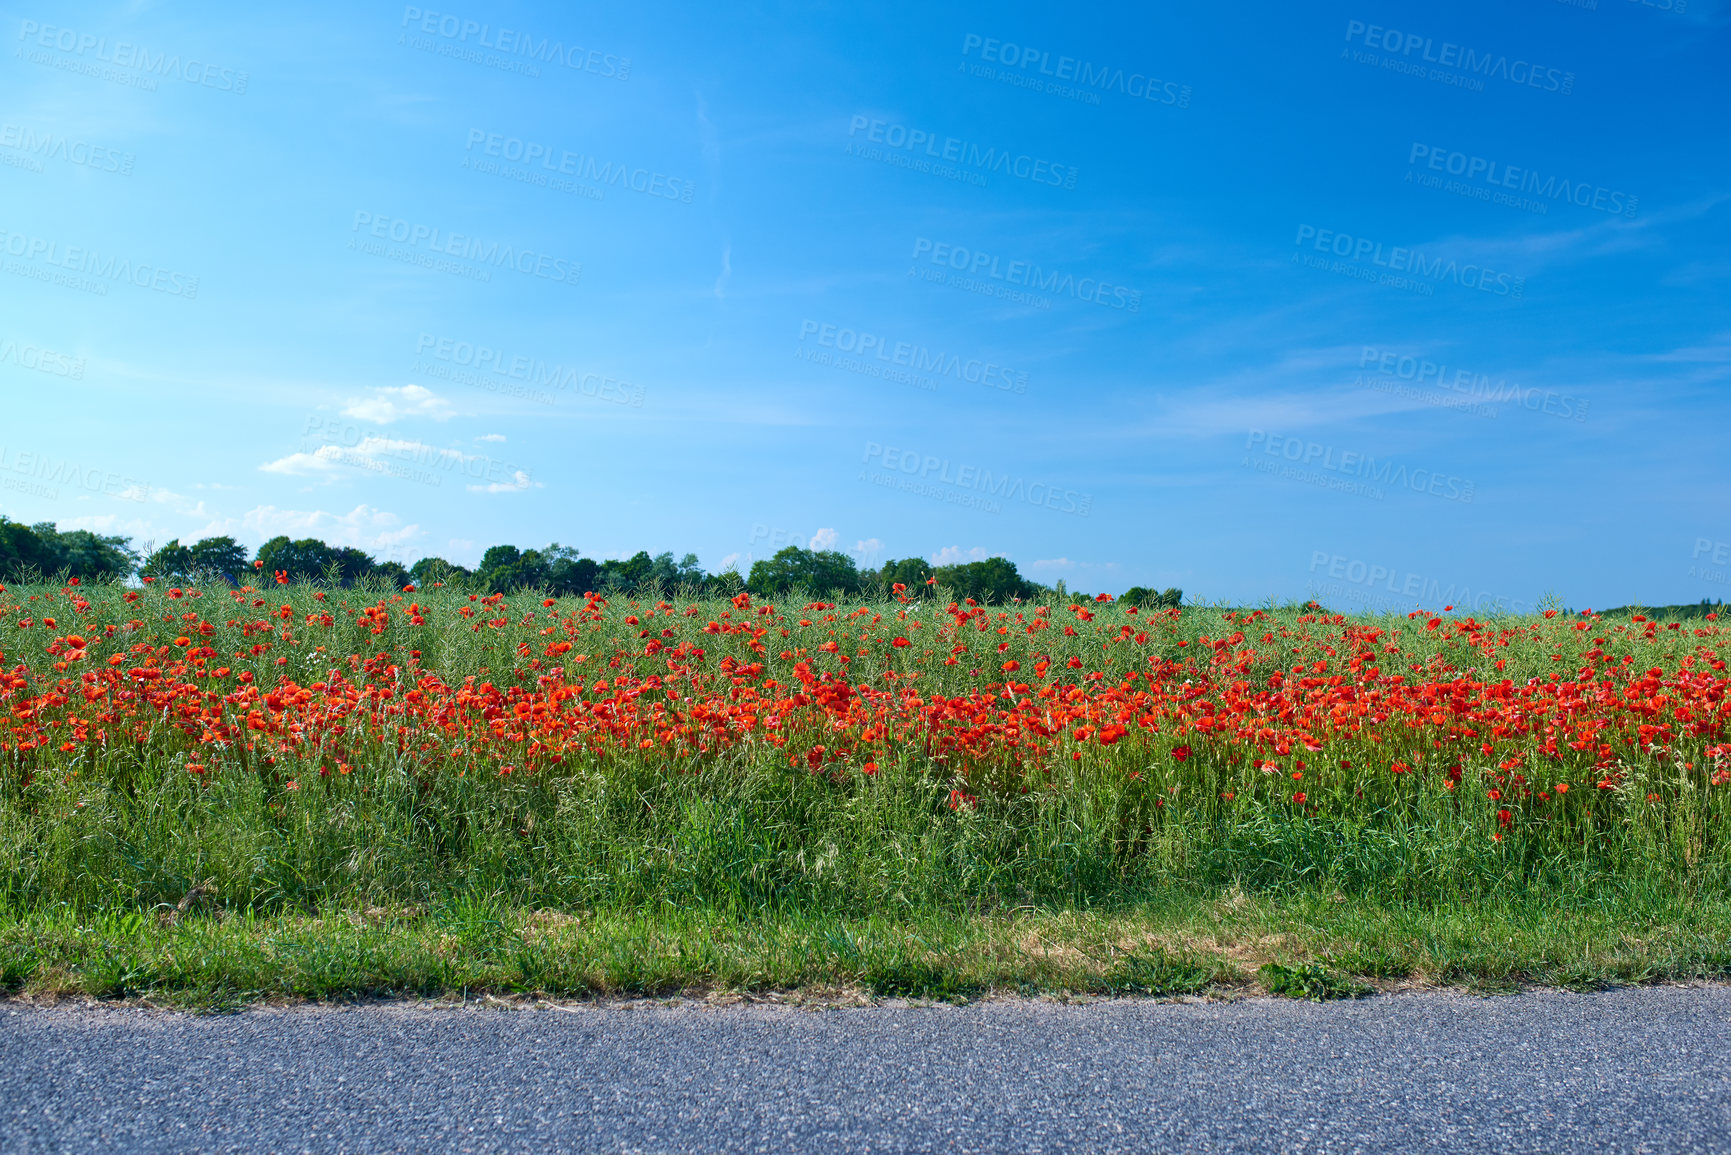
(1632, 1070)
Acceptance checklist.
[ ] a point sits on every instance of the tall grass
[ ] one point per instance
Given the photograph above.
(745, 838)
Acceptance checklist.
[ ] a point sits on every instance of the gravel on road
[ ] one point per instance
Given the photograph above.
(1644, 1069)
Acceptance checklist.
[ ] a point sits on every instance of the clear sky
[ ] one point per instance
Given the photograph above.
(1385, 303)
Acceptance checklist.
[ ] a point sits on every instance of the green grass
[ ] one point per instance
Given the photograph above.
(768, 879)
(1298, 946)
(1118, 873)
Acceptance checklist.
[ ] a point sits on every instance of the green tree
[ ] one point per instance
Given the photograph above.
(911, 572)
(303, 561)
(505, 568)
(168, 563)
(219, 557)
(993, 580)
(436, 569)
(569, 575)
(211, 559)
(624, 577)
(44, 552)
(88, 556)
(1144, 598)
(816, 571)
(23, 552)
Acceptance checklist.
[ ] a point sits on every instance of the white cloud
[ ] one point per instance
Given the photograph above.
(732, 560)
(726, 271)
(390, 403)
(304, 464)
(491, 437)
(519, 482)
(1089, 573)
(868, 550)
(414, 460)
(824, 539)
(367, 527)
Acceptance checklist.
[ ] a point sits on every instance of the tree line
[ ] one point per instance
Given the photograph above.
(42, 552)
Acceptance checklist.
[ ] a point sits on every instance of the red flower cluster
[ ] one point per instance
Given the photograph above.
(524, 684)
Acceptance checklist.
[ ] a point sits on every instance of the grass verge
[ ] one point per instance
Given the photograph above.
(1299, 946)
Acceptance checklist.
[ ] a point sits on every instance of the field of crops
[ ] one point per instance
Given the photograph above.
(289, 752)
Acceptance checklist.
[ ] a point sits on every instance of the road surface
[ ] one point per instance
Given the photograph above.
(1629, 1070)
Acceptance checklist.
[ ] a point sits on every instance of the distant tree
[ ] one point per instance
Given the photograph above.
(23, 552)
(624, 577)
(88, 556)
(569, 575)
(219, 557)
(911, 572)
(1147, 599)
(391, 573)
(505, 568)
(212, 559)
(436, 569)
(354, 564)
(303, 561)
(311, 560)
(169, 563)
(558, 569)
(816, 571)
(993, 580)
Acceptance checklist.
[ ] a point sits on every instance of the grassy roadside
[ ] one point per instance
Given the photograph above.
(431, 793)
(1307, 946)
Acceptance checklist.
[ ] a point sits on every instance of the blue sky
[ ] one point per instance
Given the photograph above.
(1383, 303)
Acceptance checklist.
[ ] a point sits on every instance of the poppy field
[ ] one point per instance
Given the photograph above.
(325, 790)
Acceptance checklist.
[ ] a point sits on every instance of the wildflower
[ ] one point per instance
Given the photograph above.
(1299, 798)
